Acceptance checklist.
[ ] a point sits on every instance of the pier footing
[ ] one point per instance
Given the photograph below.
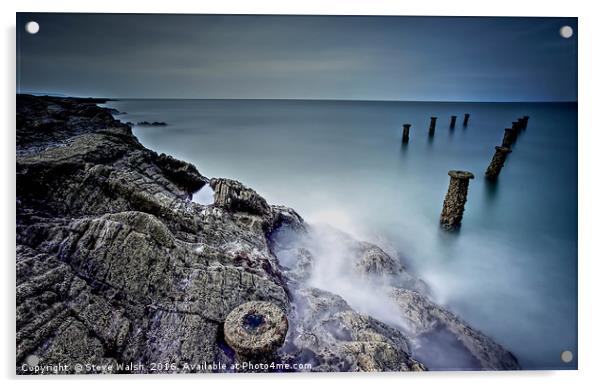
(457, 194)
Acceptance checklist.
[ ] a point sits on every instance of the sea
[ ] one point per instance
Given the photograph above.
(510, 271)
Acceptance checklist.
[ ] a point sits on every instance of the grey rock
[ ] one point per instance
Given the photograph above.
(335, 338)
(373, 260)
(183, 174)
(116, 265)
(151, 124)
(424, 316)
(232, 195)
(384, 274)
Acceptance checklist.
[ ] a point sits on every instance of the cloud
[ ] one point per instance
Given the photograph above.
(237, 56)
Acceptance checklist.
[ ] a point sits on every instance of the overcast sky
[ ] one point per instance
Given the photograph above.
(303, 57)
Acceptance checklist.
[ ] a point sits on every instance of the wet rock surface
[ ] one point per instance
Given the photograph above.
(152, 124)
(426, 319)
(116, 265)
(232, 195)
(334, 338)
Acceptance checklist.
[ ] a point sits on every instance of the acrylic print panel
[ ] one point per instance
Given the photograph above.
(255, 193)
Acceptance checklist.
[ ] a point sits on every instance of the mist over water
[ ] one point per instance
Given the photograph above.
(333, 269)
(512, 269)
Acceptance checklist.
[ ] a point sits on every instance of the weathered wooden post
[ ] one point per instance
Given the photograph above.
(497, 162)
(466, 117)
(255, 330)
(510, 136)
(406, 133)
(432, 126)
(457, 193)
(452, 123)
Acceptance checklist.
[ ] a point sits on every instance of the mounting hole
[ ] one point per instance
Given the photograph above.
(566, 31)
(32, 27)
(566, 356)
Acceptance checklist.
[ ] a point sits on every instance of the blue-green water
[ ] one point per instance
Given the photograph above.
(510, 272)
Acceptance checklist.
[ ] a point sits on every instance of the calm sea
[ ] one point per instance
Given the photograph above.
(512, 269)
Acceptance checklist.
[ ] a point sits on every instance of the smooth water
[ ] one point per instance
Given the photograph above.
(512, 269)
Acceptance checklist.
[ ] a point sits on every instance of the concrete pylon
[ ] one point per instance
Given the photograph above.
(255, 330)
(452, 122)
(405, 138)
(432, 126)
(510, 136)
(524, 120)
(497, 162)
(457, 194)
(466, 117)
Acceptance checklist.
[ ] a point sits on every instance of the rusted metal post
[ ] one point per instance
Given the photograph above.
(457, 194)
(497, 162)
(405, 138)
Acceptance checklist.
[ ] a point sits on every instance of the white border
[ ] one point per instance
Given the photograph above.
(590, 215)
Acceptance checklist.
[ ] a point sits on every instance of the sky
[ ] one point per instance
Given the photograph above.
(298, 57)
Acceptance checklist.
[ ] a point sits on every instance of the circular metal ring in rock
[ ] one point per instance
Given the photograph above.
(255, 328)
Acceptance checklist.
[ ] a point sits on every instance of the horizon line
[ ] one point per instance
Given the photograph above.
(61, 95)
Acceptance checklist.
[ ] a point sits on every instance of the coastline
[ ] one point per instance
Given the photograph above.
(102, 219)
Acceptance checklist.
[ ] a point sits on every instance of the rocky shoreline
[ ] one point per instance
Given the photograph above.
(116, 265)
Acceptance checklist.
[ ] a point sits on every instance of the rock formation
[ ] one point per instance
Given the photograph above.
(117, 266)
(152, 124)
(327, 316)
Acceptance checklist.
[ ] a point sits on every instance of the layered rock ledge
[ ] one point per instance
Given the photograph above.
(116, 264)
